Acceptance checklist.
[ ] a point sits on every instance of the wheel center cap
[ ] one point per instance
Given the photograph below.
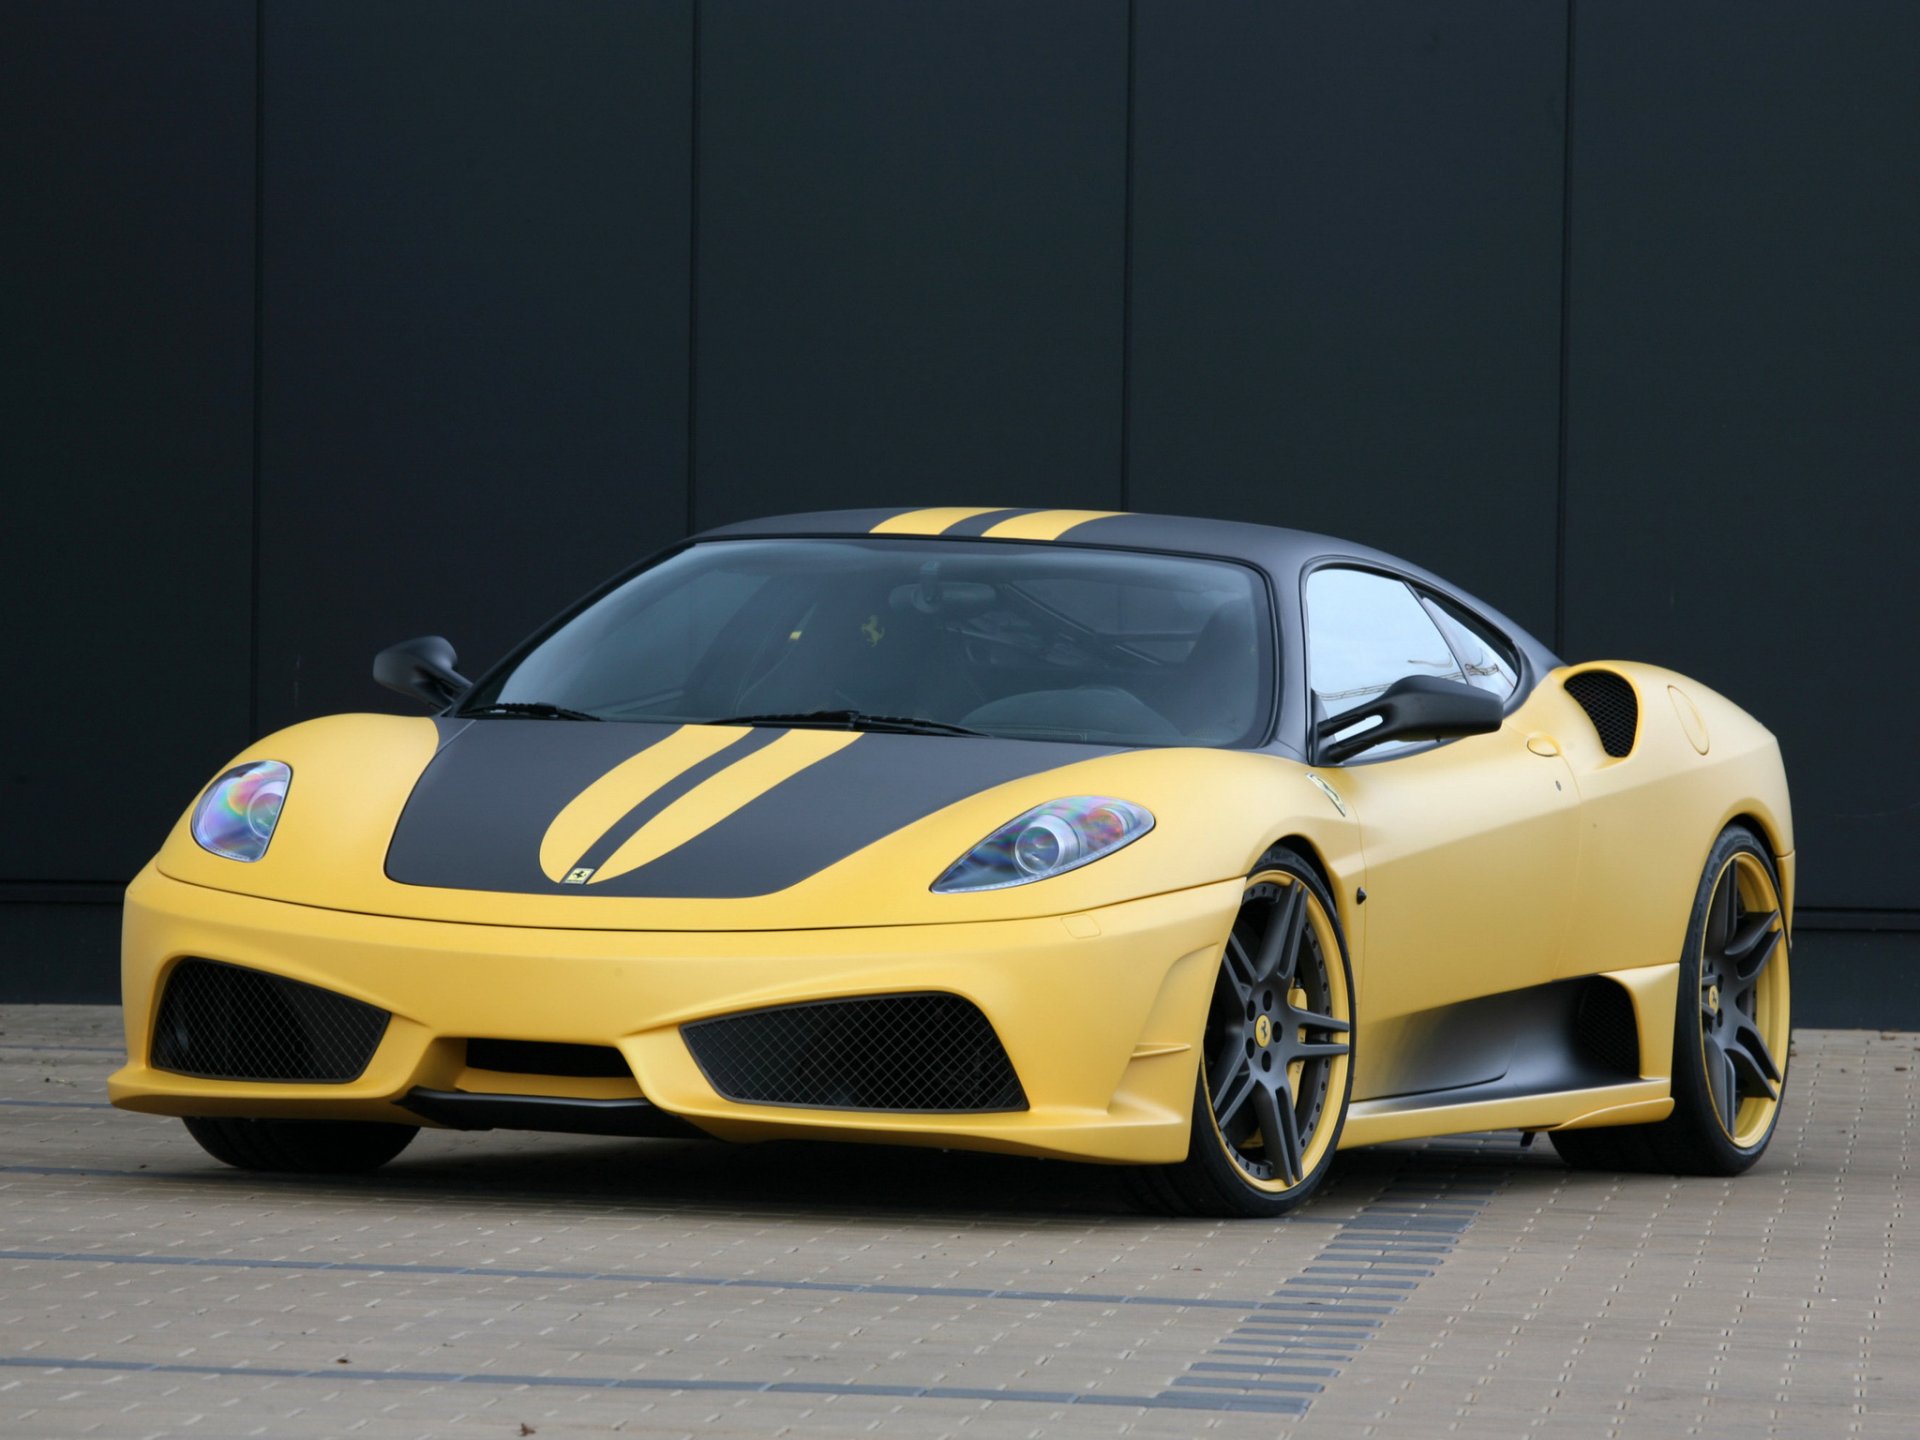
(1713, 999)
(1263, 1032)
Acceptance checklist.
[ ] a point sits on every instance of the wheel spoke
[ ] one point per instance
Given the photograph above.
(1238, 968)
(1720, 1081)
(1226, 1063)
(1751, 961)
(1280, 946)
(1280, 1130)
(1753, 1063)
(1750, 934)
(1722, 913)
(1315, 1021)
(1233, 1094)
(1318, 1050)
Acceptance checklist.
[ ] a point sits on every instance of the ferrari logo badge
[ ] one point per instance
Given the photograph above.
(1263, 1031)
(1713, 999)
(1328, 791)
(872, 630)
(579, 877)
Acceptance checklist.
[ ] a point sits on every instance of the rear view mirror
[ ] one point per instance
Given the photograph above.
(1420, 707)
(422, 668)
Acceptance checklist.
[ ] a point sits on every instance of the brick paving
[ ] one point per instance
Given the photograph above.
(504, 1284)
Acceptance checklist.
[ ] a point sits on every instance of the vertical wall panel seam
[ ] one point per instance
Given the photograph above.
(1126, 283)
(259, 358)
(693, 257)
(1566, 348)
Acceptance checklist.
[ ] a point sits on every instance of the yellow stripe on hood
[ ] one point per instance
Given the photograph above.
(596, 809)
(719, 796)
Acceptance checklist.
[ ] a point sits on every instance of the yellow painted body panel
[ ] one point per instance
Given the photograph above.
(1491, 864)
(352, 775)
(1098, 1026)
(1635, 1102)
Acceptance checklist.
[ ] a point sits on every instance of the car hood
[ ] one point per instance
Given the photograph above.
(636, 826)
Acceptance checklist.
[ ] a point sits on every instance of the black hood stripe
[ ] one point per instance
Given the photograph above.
(480, 811)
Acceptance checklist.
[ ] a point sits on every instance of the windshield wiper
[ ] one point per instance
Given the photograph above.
(850, 720)
(531, 710)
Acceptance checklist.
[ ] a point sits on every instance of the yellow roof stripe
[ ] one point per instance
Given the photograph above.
(1045, 524)
(930, 522)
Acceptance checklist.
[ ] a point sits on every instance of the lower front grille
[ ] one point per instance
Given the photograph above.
(225, 1022)
(888, 1052)
(544, 1057)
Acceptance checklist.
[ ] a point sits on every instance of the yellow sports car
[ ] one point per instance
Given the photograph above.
(1205, 849)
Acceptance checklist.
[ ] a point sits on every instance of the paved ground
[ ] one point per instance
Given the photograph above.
(501, 1285)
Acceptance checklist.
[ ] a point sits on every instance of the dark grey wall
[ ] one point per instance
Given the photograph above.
(328, 322)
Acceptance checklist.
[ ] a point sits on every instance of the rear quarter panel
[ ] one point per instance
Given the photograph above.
(1648, 819)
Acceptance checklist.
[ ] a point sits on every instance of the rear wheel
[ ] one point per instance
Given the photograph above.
(1730, 1033)
(1276, 1057)
(300, 1147)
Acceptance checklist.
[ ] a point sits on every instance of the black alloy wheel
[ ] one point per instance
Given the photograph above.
(1731, 1030)
(1276, 1056)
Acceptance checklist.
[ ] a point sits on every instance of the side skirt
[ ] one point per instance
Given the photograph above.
(1564, 1055)
(1413, 1117)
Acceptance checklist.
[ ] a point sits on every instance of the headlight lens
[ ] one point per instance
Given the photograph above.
(1048, 840)
(235, 818)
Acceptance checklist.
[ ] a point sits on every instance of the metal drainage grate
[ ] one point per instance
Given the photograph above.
(889, 1052)
(225, 1022)
(1612, 706)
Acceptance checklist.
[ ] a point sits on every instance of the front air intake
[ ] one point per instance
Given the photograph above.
(1611, 704)
(225, 1022)
(542, 1057)
(887, 1052)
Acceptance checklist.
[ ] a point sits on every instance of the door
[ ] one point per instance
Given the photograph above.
(1470, 846)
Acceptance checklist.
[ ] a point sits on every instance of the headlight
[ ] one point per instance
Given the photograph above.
(235, 818)
(1048, 840)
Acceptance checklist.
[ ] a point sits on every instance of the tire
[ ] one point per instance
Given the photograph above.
(1730, 1033)
(1276, 1058)
(301, 1147)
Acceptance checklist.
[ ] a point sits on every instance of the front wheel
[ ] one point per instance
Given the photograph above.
(300, 1147)
(1730, 1034)
(1276, 1057)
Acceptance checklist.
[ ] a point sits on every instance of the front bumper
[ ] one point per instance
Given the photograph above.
(1099, 1012)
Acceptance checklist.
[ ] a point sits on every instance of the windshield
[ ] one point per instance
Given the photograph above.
(1030, 641)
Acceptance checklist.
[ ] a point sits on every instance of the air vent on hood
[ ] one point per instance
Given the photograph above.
(1611, 704)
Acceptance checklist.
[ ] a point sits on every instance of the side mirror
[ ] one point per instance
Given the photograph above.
(422, 668)
(1420, 707)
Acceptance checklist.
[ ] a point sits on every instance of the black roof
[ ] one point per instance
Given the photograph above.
(1282, 553)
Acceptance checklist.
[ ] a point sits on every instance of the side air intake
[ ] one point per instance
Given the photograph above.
(1612, 706)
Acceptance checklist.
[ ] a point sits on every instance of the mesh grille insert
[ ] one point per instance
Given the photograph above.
(1604, 1030)
(1612, 706)
(890, 1052)
(225, 1022)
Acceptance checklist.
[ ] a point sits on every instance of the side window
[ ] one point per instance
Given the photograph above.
(1485, 661)
(1365, 631)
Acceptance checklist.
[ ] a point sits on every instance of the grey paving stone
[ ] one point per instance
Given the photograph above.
(577, 1287)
